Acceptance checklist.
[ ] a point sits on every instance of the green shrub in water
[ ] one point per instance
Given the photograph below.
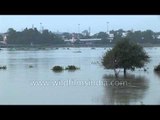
(57, 69)
(3, 67)
(71, 67)
(157, 68)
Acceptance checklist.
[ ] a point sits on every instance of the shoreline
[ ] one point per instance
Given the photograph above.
(71, 45)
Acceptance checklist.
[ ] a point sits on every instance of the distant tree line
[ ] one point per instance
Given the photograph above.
(1, 38)
(33, 36)
(28, 36)
(147, 36)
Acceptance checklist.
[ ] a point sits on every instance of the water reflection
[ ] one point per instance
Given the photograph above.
(15, 81)
(125, 90)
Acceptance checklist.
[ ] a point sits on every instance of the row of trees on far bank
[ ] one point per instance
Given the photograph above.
(32, 36)
(29, 35)
(147, 36)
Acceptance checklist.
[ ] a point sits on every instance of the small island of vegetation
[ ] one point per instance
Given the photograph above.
(57, 68)
(3, 67)
(71, 68)
(157, 68)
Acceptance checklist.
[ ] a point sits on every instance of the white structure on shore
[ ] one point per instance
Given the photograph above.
(92, 39)
(124, 34)
(85, 41)
(111, 36)
(4, 38)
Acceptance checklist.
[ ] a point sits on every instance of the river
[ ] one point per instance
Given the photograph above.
(90, 85)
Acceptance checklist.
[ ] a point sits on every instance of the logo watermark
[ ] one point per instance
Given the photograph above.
(80, 83)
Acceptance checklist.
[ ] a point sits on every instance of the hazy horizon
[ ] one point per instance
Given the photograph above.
(75, 23)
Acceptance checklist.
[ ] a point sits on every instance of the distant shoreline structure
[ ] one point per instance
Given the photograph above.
(70, 45)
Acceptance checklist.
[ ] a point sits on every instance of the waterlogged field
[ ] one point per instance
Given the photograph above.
(29, 79)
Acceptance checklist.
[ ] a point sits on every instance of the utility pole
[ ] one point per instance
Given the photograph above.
(32, 26)
(41, 29)
(78, 30)
(89, 31)
(108, 27)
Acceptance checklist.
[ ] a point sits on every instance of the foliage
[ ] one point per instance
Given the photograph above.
(125, 54)
(71, 67)
(32, 35)
(3, 67)
(157, 68)
(67, 35)
(28, 36)
(57, 69)
(1, 38)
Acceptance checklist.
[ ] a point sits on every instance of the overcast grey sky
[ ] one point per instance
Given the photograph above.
(69, 23)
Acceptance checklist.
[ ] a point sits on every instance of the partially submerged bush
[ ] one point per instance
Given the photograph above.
(3, 67)
(30, 66)
(57, 69)
(71, 67)
(157, 68)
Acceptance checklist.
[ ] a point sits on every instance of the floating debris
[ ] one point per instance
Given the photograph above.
(77, 51)
(3, 67)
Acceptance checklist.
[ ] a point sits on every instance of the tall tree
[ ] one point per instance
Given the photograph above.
(126, 55)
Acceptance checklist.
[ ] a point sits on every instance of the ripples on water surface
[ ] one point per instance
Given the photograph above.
(20, 84)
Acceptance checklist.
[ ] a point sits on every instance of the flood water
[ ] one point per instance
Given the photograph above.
(21, 84)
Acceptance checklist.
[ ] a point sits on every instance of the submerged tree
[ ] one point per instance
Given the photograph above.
(126, 55)
(110, 61)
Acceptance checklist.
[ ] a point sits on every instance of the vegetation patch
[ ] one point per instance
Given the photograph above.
(125, 55)
(157, 68)
(57, 69)
(71, 67)
(3, 67)
(30, 66)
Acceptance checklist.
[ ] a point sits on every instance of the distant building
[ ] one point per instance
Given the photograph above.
(158, 36)
(4, 35)
(89, 41)
(69, 40)
(111, 36)
(82, 41)
(124, 34)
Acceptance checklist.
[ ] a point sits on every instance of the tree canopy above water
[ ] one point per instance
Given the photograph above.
(125, 54)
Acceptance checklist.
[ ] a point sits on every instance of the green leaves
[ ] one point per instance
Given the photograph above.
(125, 54)
(28, 36)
